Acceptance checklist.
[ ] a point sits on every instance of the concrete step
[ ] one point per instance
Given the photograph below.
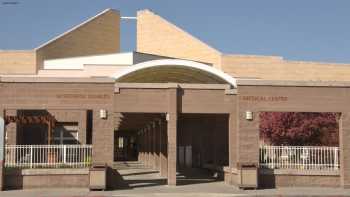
(128, 165)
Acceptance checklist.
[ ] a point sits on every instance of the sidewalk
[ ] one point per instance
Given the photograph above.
(143, 182)
(205, 190)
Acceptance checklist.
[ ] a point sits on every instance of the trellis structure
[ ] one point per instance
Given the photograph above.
(49, 120)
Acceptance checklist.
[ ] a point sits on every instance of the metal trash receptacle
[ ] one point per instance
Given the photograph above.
(248, 176)
(98, 176)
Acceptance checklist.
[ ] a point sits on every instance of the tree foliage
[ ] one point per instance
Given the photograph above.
(299, 128)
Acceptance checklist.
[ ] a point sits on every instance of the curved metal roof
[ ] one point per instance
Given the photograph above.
(173, 70)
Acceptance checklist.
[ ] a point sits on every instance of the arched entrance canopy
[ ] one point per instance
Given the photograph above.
(173, 70)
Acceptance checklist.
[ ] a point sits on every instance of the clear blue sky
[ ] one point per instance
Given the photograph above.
(313, 30)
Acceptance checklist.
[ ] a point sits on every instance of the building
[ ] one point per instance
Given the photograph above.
(174, 103)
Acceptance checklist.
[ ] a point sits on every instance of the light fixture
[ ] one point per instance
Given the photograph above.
(249, 115)
(103, 114)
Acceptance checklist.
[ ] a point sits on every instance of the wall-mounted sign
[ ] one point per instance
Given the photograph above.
(264, 98)
(83, 96)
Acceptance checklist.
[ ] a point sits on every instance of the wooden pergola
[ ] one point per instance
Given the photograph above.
(49, 120)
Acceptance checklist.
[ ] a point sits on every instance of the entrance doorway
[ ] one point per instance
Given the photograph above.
(140, 149)
(126, 146)
(130, 133)
(202, 147)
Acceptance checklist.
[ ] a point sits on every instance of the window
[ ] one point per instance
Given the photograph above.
(120, 142)
(6, 138)
(66, 133)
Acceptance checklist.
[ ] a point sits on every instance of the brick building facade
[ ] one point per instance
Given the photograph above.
(182, 103)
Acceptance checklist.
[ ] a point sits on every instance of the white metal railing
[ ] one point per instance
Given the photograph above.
(299, 157)
(48, 156)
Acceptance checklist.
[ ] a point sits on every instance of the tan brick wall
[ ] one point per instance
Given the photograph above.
(17, 62)
(14, 179)
(100, 35)
(157, 36)
(298, 99)
(275, 68)
(68, 96)
(272, 181)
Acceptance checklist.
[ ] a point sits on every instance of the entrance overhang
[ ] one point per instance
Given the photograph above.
(173, 70)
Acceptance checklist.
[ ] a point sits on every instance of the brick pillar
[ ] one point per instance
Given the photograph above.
(157, 144)
(233, 144)
(163, 160)
(148, 157)
(2, 149)
(344, 138)
(248, 138)
(151, 146)
(154, 145)
(151, 142)
(143, 146)
(11, 128)
(172, 132)
(139, 141)
(215, 134)
(103, 137)
(145, 155)
(233, 132)
(82, 126)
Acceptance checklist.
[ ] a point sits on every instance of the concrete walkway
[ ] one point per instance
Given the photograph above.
(146, 182)
(204, 190)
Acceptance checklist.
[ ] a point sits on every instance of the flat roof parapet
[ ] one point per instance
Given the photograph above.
(261, 82)
(23, 79)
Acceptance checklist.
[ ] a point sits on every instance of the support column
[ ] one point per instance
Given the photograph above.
(143, 146)
(156, 144)
(2, 149)
(233, 143)
(344, 135)
(103, 137)
(248, 138)
(234, 139)
(146, 147)
(139, 146)
(163, 149)
(152, 145)
(82, 126)
(172, 134)
(148, 157)
(11, 128)
(148, 134)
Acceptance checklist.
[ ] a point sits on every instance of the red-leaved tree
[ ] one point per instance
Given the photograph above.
(299, 128)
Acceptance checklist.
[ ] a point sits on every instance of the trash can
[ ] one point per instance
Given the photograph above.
(248, 178)
(98, 176)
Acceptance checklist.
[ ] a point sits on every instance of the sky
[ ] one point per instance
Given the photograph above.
(309, 30)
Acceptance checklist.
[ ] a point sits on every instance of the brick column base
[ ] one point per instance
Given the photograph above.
(2, 149)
